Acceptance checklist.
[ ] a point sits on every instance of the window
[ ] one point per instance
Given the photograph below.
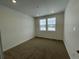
(51, 24)
(42, 24)
(48, 24)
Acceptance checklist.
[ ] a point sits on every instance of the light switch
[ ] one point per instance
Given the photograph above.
(74, 28)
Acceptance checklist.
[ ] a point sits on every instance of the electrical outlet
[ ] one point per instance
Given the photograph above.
(78, 51)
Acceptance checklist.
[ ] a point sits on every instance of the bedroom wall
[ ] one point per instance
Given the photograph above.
(15, 27)
(58, 34)
(71, 32)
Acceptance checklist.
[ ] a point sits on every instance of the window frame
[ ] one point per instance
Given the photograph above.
(40, 26)
(52, 24)
(46, 26)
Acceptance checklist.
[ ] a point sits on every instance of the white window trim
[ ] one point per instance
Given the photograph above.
(47, 24)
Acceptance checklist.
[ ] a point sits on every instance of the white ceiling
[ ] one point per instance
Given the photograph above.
(36, 7)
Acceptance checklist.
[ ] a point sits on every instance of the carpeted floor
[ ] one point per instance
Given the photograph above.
(38, 48)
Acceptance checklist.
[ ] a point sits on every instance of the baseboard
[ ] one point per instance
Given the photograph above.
(48, 38)
(17, 45)
(65, 44)
(32, 38)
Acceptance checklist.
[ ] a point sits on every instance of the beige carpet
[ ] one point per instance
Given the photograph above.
(38, 48)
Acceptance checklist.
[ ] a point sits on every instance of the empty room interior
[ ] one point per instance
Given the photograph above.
(39, 29)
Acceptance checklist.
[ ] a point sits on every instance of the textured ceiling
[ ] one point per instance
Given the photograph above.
(36, 7)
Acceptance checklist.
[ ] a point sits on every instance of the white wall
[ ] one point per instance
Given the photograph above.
(58, 34)
(15, 27)
(71, 37)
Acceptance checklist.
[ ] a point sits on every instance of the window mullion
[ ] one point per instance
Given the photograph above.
(46, 24)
